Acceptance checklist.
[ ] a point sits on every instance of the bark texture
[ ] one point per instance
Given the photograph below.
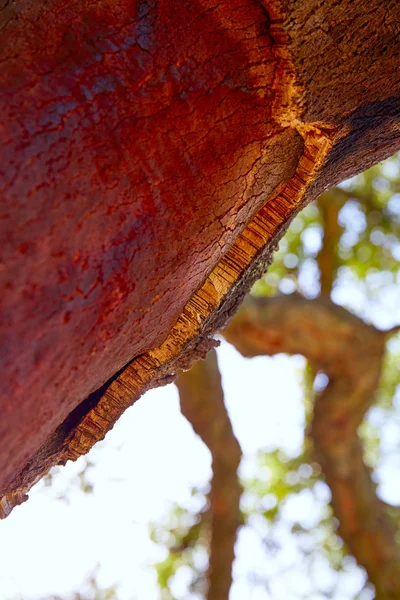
(150, 160)
(350, 352)
(202, 403)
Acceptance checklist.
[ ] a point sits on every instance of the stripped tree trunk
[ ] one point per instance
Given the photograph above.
(153, 152)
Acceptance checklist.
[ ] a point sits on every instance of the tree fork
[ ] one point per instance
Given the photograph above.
(151, 159)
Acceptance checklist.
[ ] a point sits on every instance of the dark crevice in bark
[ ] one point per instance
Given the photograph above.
(366, 122)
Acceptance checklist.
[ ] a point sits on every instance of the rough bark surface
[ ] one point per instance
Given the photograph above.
(350, 352)
(202, 403)
(150, 160)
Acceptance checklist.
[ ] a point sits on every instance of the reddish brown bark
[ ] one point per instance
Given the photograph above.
(151, 158)
(350, 352)
(202, 403)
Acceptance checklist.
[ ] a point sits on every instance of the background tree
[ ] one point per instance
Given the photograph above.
(344, 247)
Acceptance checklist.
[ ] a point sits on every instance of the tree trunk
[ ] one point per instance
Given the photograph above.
(202, 403)
(153, 152)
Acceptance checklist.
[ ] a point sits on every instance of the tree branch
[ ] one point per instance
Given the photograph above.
(202, 403)
(350, 352)
(329, 205)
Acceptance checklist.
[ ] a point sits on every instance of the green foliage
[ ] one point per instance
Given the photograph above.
(368, 246)
(184, 534)
(278, 482)
(282, 481)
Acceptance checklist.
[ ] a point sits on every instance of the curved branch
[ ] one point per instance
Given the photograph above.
(202, 403)
(350, 352)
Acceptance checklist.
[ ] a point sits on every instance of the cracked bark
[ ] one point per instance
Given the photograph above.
(202, 403)
(151, 159)
(350, 352)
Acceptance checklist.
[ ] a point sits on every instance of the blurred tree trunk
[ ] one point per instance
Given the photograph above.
(151, 159)
(202, 403)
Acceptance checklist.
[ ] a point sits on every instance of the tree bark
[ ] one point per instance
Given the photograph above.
(151, 157)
